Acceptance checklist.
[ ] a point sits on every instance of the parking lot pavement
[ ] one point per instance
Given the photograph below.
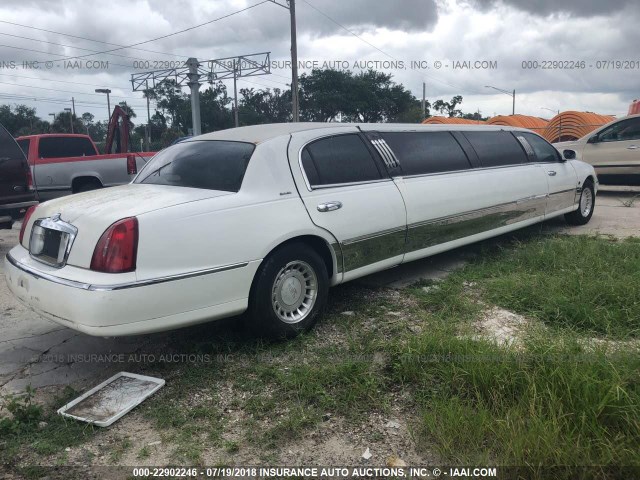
(617, 213)
(37, 352)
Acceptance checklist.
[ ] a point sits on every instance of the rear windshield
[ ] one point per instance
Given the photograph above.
(58, 147)
(209, 164)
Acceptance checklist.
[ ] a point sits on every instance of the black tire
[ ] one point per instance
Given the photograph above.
(297, 258)
(583, 214)
(88, 185)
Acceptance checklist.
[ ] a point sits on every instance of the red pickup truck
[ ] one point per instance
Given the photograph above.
(66, 163)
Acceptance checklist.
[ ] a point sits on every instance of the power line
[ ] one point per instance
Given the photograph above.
(59, 101)
(65, 45)
(86, 38)
(382, 51)
(167, 35)
(56, 60)
(52, 80)
(64, 91)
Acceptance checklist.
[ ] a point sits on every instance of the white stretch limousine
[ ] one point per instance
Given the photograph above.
(265, 218)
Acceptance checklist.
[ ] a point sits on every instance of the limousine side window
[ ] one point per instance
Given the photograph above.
(339, 159)
(544, 152)
(422, 153)
(497, 148)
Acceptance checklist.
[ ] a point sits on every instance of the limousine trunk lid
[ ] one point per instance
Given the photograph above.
(91, 213)
(123, 201)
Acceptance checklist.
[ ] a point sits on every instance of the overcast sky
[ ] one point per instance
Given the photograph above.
(507, 32)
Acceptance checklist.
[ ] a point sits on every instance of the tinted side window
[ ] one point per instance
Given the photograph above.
(13, 166)
(621, 131)
(339, 159)
(9, 149)
(210, 164)
(55, 147)
(426, 152)
(544, 152)
(24, 145)
(496, 149)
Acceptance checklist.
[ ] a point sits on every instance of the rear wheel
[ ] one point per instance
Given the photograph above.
(586, 204)
(289, 292)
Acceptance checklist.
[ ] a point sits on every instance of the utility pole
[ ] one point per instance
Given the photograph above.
(73, 104)
(424, 100)
(235, 94)
(295, 102)
(148, 117)
(513, 110)
(194, 85)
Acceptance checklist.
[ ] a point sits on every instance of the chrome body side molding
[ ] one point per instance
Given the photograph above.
(442, 230)
(120, 286)
(362, 251)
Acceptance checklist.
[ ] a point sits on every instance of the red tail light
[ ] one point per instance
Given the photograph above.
(25, 220)
(117, 248)
(29, 180)
(132, 168)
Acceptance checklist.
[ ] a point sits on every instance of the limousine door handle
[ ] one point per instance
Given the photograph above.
(329, 206)
(551, 173)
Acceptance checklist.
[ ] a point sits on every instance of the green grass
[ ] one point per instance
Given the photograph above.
(48, 438)
(555, 400)
(586, 284)
(551, 404)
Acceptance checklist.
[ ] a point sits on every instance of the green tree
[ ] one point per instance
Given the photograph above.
(21, 120)
(449, 108)
(264, 106)
(325, 94)
(215, 111)
(62, 123)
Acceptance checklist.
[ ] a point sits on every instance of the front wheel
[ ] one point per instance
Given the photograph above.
(289, 292)
(587, 203)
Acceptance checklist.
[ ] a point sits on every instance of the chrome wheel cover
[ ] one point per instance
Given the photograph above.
(586, 202)
(294, 292)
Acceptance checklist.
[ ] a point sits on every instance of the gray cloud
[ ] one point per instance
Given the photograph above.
(506, 34)
(578, 8)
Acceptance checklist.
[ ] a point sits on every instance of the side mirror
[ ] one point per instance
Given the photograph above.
(593, 139)
(568, 154)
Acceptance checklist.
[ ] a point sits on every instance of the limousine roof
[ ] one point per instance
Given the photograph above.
(261, 133)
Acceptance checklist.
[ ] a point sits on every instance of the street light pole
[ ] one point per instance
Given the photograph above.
(507, 92)
(70, 117)
(107, 91)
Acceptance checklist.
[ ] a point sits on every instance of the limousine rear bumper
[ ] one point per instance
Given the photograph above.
(137, 309)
